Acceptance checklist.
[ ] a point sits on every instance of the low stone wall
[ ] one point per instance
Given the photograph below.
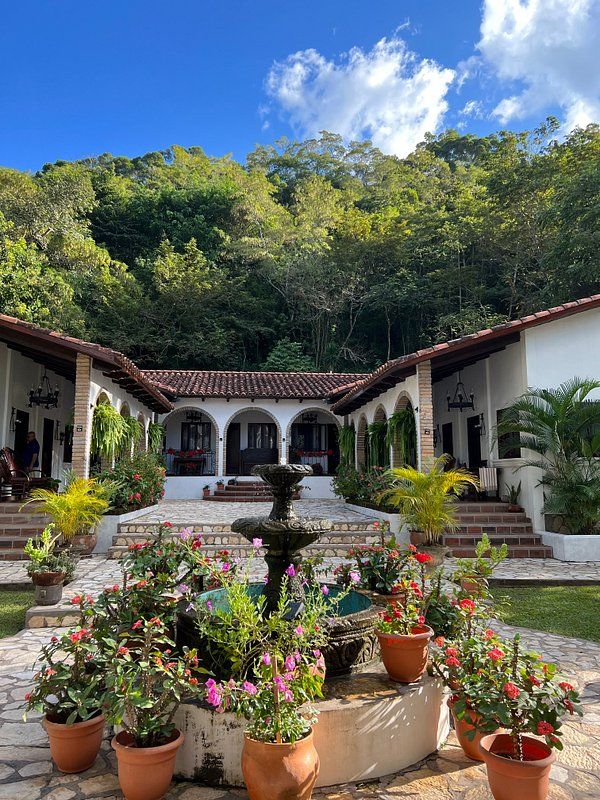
(568, 547)
(109, 525)
(397, 527)
(368, 727)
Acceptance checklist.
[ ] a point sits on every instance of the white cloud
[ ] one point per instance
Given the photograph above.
(472, 108)
(387, 94)
(553, 48)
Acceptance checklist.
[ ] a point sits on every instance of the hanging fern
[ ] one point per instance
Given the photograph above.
(134, 430)
(379, 454)
(401, 436)
(347, 441)
(156, 433)
(109, 431)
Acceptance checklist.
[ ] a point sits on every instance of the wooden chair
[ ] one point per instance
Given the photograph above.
(21, 482)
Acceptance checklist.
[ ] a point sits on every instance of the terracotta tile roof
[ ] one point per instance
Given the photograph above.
(392, 371)
(120, 368)
(212, 383)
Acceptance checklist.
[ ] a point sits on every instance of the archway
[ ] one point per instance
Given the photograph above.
(312, 438)
(251, 436)
(362, 444)
(378, 441)
(402, 429)
(191, 442)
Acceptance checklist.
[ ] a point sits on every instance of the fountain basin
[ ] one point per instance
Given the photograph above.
(368, 727)
(352, 641)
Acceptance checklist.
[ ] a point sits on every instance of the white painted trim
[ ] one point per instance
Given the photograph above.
(570, 547)
(109, 524)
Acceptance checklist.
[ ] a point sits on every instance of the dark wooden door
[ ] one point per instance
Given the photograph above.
(47, 445)
(474, 442)
(21, 430)
(233, 462)
(447, 439)
(333, 461)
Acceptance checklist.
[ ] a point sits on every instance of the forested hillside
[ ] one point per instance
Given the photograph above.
(313, 255)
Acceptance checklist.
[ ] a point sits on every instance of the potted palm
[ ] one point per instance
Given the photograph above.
(279, 759)
(514, 492)
(427, 501)
(69, 690)
(526, 699)
(75, 512)
(146, 684)
(47, 569)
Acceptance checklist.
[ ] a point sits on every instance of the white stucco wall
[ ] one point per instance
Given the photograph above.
(118, 397)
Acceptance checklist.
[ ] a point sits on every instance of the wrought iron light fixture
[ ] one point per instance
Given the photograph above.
(44, 395)
(436, 435)
(309, 417)
(193, 416)
(460, 400)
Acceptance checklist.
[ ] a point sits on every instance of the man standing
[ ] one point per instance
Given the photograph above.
(31, 453)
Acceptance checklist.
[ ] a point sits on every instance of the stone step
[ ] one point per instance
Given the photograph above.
(150, 528)
(494, 530)
(458, 540)
(328, 550)
(483, 519)
(482, 508)
(12, 554)
(515, 551)
(229, 538)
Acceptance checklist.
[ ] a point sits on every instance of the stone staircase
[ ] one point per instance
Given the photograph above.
(335, 543)
(16, 527)
(502, 526)
(244, 492)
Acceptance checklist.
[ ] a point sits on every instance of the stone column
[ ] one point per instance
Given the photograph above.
(82, 419)
(425, 418)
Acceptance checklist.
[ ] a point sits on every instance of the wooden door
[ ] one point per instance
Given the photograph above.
(474, 442)
(21, 430)
(47, 445)
(447, 439)
(233, 458)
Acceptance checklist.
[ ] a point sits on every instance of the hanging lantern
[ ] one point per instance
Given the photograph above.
(44, 395)
(461, 400)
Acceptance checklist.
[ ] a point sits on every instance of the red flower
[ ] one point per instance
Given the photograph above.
(496, 654)
(423, 558)
(452, 662)
(489, 634)
(468, 605)
(439, 641)
(28, 696)
(544, 729)
(451, 651)
(137, 625)
(123, 651)
(167, 524)
(193, 681)
(421, 620)
(566, 687)
(76, 600)
(412, 548)
(136, 477)
(533, 680)
(511, 691)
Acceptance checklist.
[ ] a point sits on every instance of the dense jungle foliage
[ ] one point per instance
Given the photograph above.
(312, 255)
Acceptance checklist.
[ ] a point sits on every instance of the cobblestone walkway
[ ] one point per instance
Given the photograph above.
(26, 772)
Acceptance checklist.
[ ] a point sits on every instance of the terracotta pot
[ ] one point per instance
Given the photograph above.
(514, 508)
(464, 726)
(206, 493)
(47, 578)
(385, 600)
(280, 771)
(145, 773)
(83, 544)
(74, 747)
(405, 656)
(473, 586)
(509, 778)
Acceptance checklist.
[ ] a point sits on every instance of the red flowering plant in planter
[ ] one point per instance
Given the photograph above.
(381, 567)
(146, 682)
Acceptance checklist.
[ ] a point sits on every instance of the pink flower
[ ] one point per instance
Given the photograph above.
(354, 577)
(452, 662)
(249, 688)
(266, 659)
(290, 571)
(421, 620)
(256, 543)
(325, 589)
(225, 566)
(299, 630)
(76, 600)
(290, 663)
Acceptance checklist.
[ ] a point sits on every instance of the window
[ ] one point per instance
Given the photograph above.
(309, 436)
(195, 436)
(262, 435)
(509, 444)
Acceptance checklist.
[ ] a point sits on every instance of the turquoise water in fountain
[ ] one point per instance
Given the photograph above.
(352, 603)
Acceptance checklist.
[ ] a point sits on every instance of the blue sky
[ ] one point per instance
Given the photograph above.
(129, 76)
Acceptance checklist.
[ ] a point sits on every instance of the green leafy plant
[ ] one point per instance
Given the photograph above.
(362, 486)
(76, 510)
(403, 618)
(132, 434)
(514, 493)
(109, 431)
(427, 500)
(69, 680)
(347, 443)
(487, 558)
(381, 567)
(134, 482)
(146, 682)
(379, 451)
(43, 556)
(401, 435)
(156, 435)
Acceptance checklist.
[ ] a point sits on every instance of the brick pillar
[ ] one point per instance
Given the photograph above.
(82, 419)
(425, 418)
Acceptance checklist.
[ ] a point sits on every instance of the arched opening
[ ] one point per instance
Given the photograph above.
(252, 436)
(312, 438)
(362, 444)
(379, 449)
(191, 443)
(124, 410)
(102, 399)
(402, 433)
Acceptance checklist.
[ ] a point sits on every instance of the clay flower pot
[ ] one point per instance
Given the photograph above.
(83, 543)
(405, 656)
(510, 778)
(145, 773)
(74, 747)
(48, 587)
(464, 726)
(280, 771)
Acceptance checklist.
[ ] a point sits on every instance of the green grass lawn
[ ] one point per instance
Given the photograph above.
(566, 610)
(13, 606)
